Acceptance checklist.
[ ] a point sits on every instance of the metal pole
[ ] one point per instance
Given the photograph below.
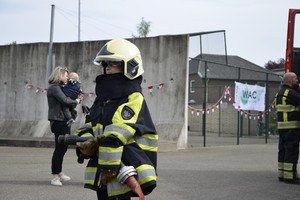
(204, 108)
(266, 108)
(249, 125)
(241, 125)
(78, 20)
(200, 37)
(51, 42)
(219, 114)
(225, 48)
(238, 114)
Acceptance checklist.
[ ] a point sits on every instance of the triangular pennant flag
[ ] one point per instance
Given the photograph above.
(38, 89)
(29, 86)
(160, 85)
(228, 90)
(150, 89)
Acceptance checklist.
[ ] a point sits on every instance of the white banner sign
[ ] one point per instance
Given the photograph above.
(249, 97)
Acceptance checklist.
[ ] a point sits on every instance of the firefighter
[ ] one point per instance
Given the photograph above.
(287, 103)
(120, 122)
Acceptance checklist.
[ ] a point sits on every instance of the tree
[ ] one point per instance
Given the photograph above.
(143, 28)
(275, 65)
(13, 43)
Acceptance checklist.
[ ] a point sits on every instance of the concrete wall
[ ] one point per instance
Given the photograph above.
(23, 112)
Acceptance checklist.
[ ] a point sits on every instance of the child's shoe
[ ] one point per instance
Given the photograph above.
(70, 122)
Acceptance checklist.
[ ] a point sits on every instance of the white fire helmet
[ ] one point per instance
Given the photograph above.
(121, 50)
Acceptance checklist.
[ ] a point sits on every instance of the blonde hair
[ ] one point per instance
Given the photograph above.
(57, 74)
(74, 75)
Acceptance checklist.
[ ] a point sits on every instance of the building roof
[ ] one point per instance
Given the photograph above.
(217, 68)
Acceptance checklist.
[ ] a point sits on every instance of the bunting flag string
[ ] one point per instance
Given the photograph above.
(158, 86)
(44, 90)
(216, 105)
(242, 112)
(88, 94)
(261, 114)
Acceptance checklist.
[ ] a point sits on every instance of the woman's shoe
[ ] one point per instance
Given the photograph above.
(64, 177)
(56, 181)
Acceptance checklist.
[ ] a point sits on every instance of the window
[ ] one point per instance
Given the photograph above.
(192, 101)
(192, 86)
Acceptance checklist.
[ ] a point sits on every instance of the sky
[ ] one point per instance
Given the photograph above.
(256, 30)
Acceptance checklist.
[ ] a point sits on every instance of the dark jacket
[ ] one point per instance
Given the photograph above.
(56, 98)
(120, 113)
(287, 102)
(71, 88)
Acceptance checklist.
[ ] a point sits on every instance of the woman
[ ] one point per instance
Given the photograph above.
(58, 122)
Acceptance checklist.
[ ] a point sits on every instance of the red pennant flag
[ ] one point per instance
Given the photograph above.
(150, 89)
(37, 89)
(160, 85)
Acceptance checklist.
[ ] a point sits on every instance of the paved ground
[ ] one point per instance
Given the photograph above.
(246, 171)
(195, 139)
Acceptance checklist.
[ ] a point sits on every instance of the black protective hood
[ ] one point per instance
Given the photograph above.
(113, 86)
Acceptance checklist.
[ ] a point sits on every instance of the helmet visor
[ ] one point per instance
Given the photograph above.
(104, 54)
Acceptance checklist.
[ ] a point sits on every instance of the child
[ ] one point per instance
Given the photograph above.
(72, 90)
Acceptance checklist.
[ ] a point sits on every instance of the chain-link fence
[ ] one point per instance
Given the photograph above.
(211, 102)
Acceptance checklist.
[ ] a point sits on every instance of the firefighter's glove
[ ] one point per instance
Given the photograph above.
(89, 147)
(107, 177)
(85, 109)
